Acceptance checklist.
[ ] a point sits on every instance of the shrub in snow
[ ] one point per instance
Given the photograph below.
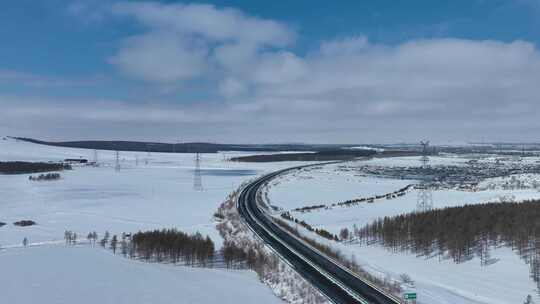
(24, 223)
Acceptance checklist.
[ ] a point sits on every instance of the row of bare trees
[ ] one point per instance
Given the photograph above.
(45, 177)
(320, 231)
(174, 246)
(461, 233)
(356, 201)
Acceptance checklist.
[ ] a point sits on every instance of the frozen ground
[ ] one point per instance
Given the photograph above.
(414, 161)
(85, 275)
(150, 191)
(326, 185)
(159, 194)
(339, 217)
(437, 282)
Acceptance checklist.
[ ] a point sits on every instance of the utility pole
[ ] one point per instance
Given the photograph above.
(425, 152)
(197, 179)
(117, 164)
(174, 145)
(147, 159)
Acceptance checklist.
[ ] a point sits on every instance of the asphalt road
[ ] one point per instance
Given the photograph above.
(336, 282)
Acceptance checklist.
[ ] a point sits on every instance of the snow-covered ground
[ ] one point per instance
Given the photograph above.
(406, 161)
(151, 191)
(327, 185)
(85, 275)
(159, 194)
(437, 282)
(335, 218)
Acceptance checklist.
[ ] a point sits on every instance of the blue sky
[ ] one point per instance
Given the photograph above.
(115, 60)
(42, 34)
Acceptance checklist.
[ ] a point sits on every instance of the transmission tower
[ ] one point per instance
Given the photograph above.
(425, 152)
(117, 162)
(424, 200)
(197, 180)
(174, 145)
(147, 159)
(95, 158)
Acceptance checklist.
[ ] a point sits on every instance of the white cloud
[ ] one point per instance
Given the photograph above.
(231, 87)
(215, 24)
(275, 68)
(184, 40)
(162, 57)
(346, 90)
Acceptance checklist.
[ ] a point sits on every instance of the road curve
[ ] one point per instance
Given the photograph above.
(336, 282)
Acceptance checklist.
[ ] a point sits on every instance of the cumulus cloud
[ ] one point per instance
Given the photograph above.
(344, 90)
(162, 58)
(226, 24)
(184, 40)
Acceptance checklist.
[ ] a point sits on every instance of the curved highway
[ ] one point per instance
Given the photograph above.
(335, 281)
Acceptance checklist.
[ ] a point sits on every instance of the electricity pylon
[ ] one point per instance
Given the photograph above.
(197, 179)
(424, 200)
(117, 162)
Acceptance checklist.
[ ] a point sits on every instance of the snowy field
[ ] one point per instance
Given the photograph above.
(151, 191)
(335, 218)
(156, 191)
(436, 282)
(326, 185)
(159, 194)
(85, 275)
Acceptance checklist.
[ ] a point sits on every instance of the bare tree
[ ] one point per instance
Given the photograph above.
(114, 243)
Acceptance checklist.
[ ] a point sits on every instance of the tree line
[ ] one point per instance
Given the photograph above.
(461, 233)
(250, 256)
(45, 177)
(356, 201)
(174, 246)
(20, 167)
(320, 231)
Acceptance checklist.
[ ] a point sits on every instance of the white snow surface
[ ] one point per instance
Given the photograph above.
(437, 282)
(327, 185)
(160, 194)
(86, 275)
(139, 197)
